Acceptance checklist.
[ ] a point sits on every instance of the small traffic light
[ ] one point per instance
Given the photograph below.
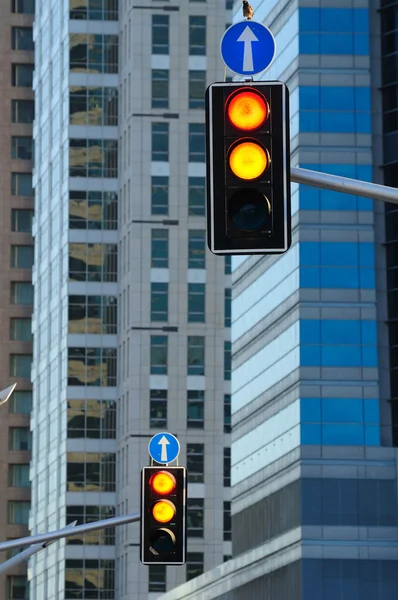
(248, 168)
(163, 515)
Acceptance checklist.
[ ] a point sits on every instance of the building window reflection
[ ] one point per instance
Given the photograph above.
(92, 367)
(90, 514)
(92, 158)
(93, 53)
(93, 106)
(92, 210)
(94, 10)
(90, 578)
(92, 314)
(91, 472)
(93, 262)
(92, 419)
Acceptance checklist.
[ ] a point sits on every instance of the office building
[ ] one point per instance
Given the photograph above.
(314, 442)
(132, 314)
(16, 292)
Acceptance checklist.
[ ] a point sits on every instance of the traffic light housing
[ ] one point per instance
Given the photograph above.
(248, 168)
(163, 515)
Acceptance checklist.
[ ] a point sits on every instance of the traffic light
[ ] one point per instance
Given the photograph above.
(248, 168)
(163, 515)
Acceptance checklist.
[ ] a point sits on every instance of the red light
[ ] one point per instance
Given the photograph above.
(163, 482)
(247, 110)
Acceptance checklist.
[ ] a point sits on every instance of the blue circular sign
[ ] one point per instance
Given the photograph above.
(164, 448)
(248, 48)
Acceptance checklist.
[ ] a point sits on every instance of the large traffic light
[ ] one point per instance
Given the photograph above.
(163, 515)
(248, 168)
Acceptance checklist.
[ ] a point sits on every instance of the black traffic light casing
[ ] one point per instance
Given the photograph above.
(157, 538)
(248, 216)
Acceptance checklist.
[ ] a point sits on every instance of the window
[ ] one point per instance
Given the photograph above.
(160, 196)
(22, 147)
(21, 184)
(159, 344)
(90, 472)
(227, 307)
(160, 34)
(18, 475)
(227, 557)
(157, 578)
(23, 111)
(228, 265)
(20, 402)
(21, 293)
(22, 75)
(93, 106)
(195, 463)
(196, 302)
(21, 257)
(93, 53)
(92, 158)
(160, 88)
(227, 361)
(21, 330)
(227, 467)
(22, 38)
(197, 145)
(227, 413)
(158, 409)
(21, 220)
(92, 210)
(89, 578)
(20, 365)
(20, 438)
(18, 513)
(160, 142)
(93, 262)
(92, 314)
(160, 248)
(197, 89)
(196, 409)
(94, 419)
(229, 4)
(91, 514)
(92, 367)
(26, 7)
(159, 301)
(195, 517)
(17, 586)
(195, 565)
(196, 249)
(197, 36)
(196, 196)
(94, 10)
(227, 522)
(196, 355)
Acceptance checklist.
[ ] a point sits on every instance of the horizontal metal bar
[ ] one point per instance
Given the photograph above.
(346, 185)
(69, 532)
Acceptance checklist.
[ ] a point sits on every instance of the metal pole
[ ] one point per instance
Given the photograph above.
(26, 554)
(61, 533)
(345, 185)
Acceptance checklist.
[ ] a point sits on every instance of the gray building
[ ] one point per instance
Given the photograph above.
(131, 313)
(314, 458)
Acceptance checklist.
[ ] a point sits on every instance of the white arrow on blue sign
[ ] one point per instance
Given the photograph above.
(248, 48)
(164, 447)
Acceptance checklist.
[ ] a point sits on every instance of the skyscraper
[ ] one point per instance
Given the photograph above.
(314, 459)
(132, 314)
(16, 292)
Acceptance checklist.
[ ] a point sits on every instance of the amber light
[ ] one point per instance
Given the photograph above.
(248, 160)
(163, 511)
(163, 482)
(247, 110)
